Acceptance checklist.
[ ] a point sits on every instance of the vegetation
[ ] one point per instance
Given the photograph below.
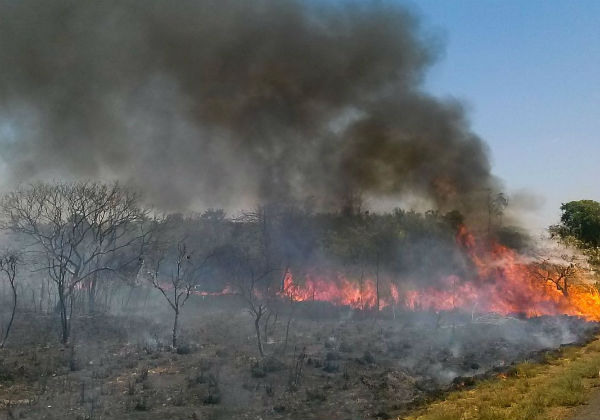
(581, 220)
(78, 231)
(85, 239)
(9, 263)
(182, 276)
(545, 391)
(580, 227)
(94, 249)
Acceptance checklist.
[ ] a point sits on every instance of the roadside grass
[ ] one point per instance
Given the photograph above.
(531, 391)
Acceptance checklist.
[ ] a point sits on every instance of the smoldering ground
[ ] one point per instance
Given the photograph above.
(229, 103)
(121, 367)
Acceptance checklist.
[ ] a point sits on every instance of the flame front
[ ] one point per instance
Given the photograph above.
(503, 283)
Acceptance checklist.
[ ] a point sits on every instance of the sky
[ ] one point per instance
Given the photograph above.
(529, 74)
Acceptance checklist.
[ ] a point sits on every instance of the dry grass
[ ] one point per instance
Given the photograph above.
(547, 391)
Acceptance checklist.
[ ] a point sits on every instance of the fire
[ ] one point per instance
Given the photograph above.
(338, 290)
(227, 290)
(504, 283)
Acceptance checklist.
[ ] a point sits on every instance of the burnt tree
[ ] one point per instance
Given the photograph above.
(176, 272)
(560, 273)
(250, 280)
(250, 266)
(8, 267)
(78, 230)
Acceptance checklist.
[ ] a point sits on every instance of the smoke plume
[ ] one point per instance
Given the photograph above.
(229, 102)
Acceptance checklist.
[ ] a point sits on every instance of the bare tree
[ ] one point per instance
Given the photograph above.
(559, 272)
(79, 230)
(497, 203)
(175, 276)
(252, 263)
(8, 266)
(248, 285)
(290, 292)
(249, 274)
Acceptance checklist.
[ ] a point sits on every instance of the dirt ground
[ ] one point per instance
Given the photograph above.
(338, 363)
(590, 411)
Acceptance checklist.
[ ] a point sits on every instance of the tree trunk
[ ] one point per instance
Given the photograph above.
(175, 328)
(257, 328)
(287, 333)
(64, 319)
(92, 289)
(42, 297)
(565, 290)
(266, 328)
(12, 316)
(50, 297)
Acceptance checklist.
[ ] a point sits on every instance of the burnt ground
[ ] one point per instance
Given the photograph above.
(339, 363)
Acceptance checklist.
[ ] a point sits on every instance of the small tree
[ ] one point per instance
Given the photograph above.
(497, 203)
(560, 272)
(581, 220)
(247, 278)
(580, 227)
(8, 267)
(175, 274)
(251, 263)
(250, 274)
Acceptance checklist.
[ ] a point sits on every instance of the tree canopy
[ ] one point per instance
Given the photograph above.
(580, 220)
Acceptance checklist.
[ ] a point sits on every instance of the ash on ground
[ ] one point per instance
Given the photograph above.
(338, 363)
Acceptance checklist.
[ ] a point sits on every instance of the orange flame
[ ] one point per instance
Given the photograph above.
(227, 290)
(339, 291)
(503, 284)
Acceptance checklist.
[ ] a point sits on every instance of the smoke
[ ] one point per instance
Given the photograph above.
(230, 102)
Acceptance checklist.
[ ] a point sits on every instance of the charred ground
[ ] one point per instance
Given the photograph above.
(339, 363)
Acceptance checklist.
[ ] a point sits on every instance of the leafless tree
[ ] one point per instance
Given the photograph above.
(256, 265)
(79, 230)
(249, 275)
(248, 286)
(8, 267)
(497, 203)
(175, 276)
(560, 272)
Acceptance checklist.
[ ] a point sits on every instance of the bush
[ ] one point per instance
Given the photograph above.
(183, 349)
(272, 364)
(345, 347)
(258, 371)
(214, 393)
(141, 404)
(315, 395)
(331, 367)
(368, 357)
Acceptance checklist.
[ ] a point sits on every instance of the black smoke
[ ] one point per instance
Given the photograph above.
(230, 102)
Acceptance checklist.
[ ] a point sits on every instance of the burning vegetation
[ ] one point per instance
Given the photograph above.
(502, 281)
(127, 298)
(283, 311)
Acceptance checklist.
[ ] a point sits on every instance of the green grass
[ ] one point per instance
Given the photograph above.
(532, 391)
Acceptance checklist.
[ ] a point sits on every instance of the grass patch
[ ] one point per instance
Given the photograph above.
(531, 391)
